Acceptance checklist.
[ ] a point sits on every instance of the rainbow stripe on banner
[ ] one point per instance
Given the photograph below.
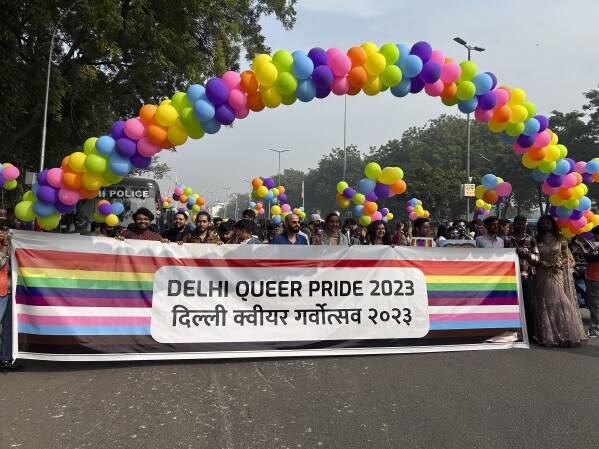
(99, 301)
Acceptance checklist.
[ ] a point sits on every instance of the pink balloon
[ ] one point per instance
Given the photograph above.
(135, 129)
(548, 190)
(285, 208)
(147, 148)
(410, 208)
(237, 99)
(54, 177)
(232, 80)
(10, 172)
(376, 215)
(242, 112)
(413, 216)
(450, 72)
(178, 191)
(502, 97)
(340, 85)
(562, 221)
(438, 57)
(332, 52)
(434, 89)
(340, 64)
(503, 188)
(483, 116)
(570, 180)
(519, 149)
(542, 139)
(580, 167)
(68, 197)
(580, 223)
(261, 212)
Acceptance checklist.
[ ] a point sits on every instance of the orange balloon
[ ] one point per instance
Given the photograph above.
(88, 194)
(398, 187)
(449, 91)
(536, 153)
(147, 114)
(249, 83)
(357, 56)
(281, 189)
(589, 216)
(370, 207)
(156, 133)
(596, 177)
(354, 90)
(166, 144)
(574, 230)
(564, 194)
(339, 196)
(425, 214)
(71, 180)
(183, 199)
(358, 76)
(65, 163)
(507, 89)
(256, 182)
(490, 196)
(578, 177)
(103, 202)
(502, 114)
(200, 201)
(254, 102)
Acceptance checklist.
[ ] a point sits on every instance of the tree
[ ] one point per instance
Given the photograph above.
(109, 58)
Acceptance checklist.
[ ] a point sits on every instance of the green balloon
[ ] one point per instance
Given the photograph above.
(96, 163)
(391, 76)
(179, 101)
(24, 210)
(468, 71)
(466, 90)
(390, 52)
(50, 222)
(191, 124)
(286, 82)
(514, 129)
(283, 60)
(29, 196)
(89, 146)
(288, 100)
(111, 178)
(372, 171)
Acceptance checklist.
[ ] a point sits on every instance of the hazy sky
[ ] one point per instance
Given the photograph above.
(547, 48)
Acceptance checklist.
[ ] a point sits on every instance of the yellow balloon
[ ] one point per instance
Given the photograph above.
(375, 64)
(77, 161)
(479, 191)
(390, 175)
(528, 162)
(480, 203)
(260, 59)
(389, 216)
(266, 73)
(271, 97)
(552, 153)
(112, 220)
(166, 115)
(262, 191)
(555, 200)
(91, 181)
(275, 210)
(567, 233)
(373, 86)
(344, 203)
(496, 127)
(517, 98)
(370, 48)
(177, 134)
(519, 114)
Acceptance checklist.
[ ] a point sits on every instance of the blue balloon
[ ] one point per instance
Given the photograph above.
(106, 146)
(302, 66)
(531, 127)
(592, 167)
(119, 165)
(507, 138)
(277, 219)
(269, 196)
(539, 176)
(584, 203)
(305, 91)
(468, 106)
(482, 82)
(403, 88)
(195, 92)
(252, 205)
(562, 167)
(411, 66)
(118, 208)
(211, 126)
(204, 110)
(490, 181)
(404, 52)
(563, 212)
(359, 210)
(366, 186)
(43, 209)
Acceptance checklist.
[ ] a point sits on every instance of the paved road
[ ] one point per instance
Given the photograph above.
(519, 398)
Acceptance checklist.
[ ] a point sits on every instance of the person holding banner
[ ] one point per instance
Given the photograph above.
(141, 229)
(291, 235)
(202, 234)
(332, 234)
(243, 231)
(6, 360)
(421, 233)
(490, 239)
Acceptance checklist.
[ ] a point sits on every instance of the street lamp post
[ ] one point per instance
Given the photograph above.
(279, 151)
(43, 149)
(226, 189)
(469, 47)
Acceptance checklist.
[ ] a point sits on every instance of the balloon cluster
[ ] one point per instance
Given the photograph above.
(415, 209)
(108, 213)
(492, 191)
(286, 77)
(8, 176)
(378, 184)
(280, 212)
(185, 196)
(265, 190)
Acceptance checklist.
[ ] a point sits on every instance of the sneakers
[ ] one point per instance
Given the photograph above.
(9, 366)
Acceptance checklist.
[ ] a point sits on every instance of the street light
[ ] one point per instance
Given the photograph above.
(469, 47)
(226, 189)
(43, 149)
(251, 187)
(279, 151)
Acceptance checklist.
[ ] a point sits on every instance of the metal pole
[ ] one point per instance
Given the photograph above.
(279, 151)
(344, 134)
(468, 154)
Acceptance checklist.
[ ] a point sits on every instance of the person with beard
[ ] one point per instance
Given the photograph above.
(291, 235)
(202, 234)
(179, 230)
(141, 228)
(243, 231)
(491, 239)
(462, 229)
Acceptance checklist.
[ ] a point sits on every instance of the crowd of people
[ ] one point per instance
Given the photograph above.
(556, 278)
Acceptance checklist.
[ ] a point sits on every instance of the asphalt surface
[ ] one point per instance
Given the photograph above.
(517, 398)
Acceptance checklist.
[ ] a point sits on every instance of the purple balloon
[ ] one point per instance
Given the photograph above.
(216, 91)
(576, 214)
(47, 194)
(493, 79)
(417, 85)
(487, 101)
(382, 190)
(322, 92)
(318, 56)
(126, 147)
(587, 178)
(2, 180)
(572, 164)
(140, 161)
(117, 130)
(555, 180)
(41, 178)
(176, 197)
(282, 197)
(543, 121)
(553, 211)
(349, 193)
(384, 212)
(371, 197)
(105, 209)
(65, 208)
(269, 183)
(499, 200)
(225, 114)
(322, 76)
(189, 206)
(423, 50)
(526, 141)
(588, 235)
(431, 72)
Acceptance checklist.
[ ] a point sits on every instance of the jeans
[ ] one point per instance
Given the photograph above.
(581, 290)
(6, 320)
(592, 300)
(529, 305)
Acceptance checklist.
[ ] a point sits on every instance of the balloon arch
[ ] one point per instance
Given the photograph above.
(282, 79)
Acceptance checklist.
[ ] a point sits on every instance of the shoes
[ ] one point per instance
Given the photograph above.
(9, 366)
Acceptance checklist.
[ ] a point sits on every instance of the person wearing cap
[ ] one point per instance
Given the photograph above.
(490, 239)
(313, 225)
(141, 228)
